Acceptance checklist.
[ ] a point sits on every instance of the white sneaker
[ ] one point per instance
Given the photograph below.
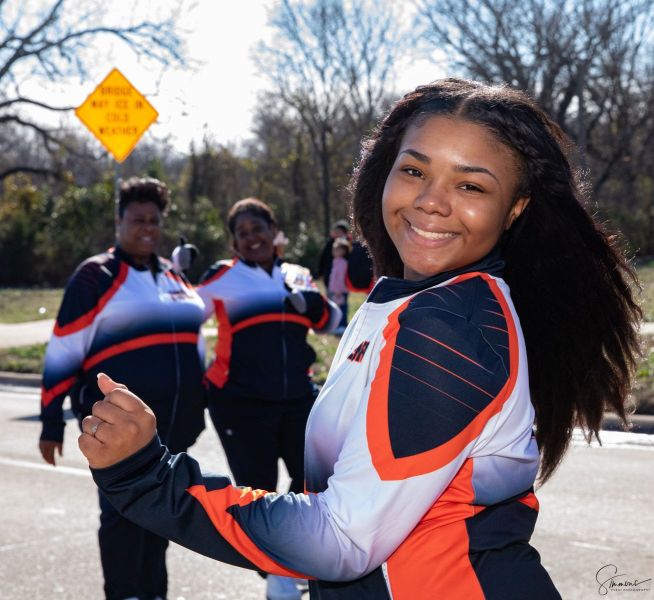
(282, 588)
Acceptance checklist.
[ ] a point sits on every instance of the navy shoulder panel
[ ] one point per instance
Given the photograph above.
(450, 361)
(215, 271)
(92, 280)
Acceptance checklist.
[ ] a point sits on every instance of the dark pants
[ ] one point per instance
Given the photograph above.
(133, 559)
(256, 433)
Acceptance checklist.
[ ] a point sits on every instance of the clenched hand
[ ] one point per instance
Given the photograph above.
(119, 425)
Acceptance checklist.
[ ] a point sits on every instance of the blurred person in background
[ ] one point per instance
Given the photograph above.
(337, 289)
(127, 312)
(360, 269)
(260, 390)
(339, 229)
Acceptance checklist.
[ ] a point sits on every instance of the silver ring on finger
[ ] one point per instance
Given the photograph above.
(94, 429)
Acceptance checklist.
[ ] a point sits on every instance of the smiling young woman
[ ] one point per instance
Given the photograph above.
(501, 320)
(569, 280)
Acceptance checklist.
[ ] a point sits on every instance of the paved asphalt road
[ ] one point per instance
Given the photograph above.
(597, 511)
(49, 519)
(25, 334)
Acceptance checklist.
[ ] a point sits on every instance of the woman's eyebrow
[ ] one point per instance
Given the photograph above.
(417, 155)
(474, 169)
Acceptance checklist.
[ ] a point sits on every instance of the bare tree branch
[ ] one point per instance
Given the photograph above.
(30, 170)
(330, 63)
(21, 100)
(590, 64)
(53, 44)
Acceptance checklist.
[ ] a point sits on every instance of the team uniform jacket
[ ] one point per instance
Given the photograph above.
(256, 318)
(141, 329)
(420, 461)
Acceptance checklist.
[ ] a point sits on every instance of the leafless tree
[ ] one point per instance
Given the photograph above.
(585, 62)
(49, 41)
(331, 61)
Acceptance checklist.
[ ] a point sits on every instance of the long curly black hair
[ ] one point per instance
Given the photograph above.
(569, 280)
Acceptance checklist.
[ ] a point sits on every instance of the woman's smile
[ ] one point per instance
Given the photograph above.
(449, 195)
(432, 235)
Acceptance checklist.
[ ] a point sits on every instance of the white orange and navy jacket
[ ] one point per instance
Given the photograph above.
(420, 461)
(140, 327)
(261, 348)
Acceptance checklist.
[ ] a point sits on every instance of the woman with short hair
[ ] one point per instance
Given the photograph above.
(259, 385)
(127, 312)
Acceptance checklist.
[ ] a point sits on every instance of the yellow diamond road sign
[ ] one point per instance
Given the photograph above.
(117, 114)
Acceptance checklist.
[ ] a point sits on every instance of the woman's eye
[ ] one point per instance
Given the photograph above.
(471, 187)
(412, 172)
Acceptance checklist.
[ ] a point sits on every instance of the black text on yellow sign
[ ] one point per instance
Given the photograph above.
(117, 114)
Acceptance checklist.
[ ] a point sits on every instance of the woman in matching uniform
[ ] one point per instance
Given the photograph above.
(126, 311)
(503, 318)
(259, 386)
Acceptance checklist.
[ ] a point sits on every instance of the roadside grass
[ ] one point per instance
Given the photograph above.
(18, 305)
(643, 390)
(29, 359)
(646, 277)
(23, 359)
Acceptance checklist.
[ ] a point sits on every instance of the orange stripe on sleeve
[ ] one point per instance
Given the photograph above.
(218, 372)
(324, 319)
(216, 503)
(530, 500)
(62, 387)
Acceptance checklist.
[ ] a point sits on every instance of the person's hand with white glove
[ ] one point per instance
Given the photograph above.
(183, 255)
